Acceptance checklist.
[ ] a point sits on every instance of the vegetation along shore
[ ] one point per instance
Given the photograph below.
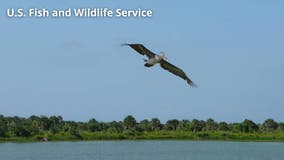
(54, 128)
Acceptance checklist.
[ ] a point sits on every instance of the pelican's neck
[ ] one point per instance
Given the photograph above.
(158, 57)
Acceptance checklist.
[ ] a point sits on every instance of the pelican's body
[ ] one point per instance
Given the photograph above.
(159, 58)
(152, 61)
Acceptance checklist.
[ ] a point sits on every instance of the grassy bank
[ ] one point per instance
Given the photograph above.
(55, 128)
(160, 135)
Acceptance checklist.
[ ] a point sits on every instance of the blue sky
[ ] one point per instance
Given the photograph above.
(75, 67)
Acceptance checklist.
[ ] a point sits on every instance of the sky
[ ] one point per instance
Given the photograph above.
(76, 68)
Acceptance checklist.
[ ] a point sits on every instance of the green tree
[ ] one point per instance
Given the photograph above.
(197, 125)
(34, 126)
(94, 125)
(55, 121)
(129, 122)
(172, 124)
(144, 125)
(211, 125)
(44, 123)
(21, 131)
(184, 125)
(155, 124)
(56, 124)
(75, 133)
(223, 126)
(269, 125)
(81, 126)
(281, 126)
(236, 127)
(115, 127)
(248, 126)
(3, 127)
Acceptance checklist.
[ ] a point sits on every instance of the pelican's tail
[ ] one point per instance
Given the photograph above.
(192, 84)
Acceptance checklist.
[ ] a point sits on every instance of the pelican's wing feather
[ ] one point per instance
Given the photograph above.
(140, 48)
(176, 71)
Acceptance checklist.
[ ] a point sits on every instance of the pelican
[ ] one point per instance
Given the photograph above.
(159, 58)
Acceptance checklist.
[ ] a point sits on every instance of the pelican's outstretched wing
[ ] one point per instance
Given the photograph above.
(141, 49)
(176, 71)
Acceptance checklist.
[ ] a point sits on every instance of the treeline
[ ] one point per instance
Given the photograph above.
(40, 125)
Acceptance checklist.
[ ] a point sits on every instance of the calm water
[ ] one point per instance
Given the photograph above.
(142, 150)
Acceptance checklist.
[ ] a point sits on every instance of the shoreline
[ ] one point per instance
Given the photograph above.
(55, 128)
(100, 140)
(151, 136)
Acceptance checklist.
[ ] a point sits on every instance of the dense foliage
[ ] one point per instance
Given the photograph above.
(54, 127)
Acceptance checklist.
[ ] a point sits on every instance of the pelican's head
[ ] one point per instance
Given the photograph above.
(162, 54)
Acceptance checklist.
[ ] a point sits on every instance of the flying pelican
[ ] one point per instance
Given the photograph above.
(159, 58)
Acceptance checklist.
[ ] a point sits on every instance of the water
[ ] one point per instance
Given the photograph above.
(142, 150)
